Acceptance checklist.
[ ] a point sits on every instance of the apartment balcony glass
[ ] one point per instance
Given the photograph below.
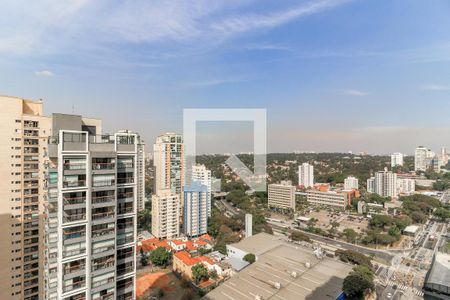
(103, 163)
(103, 246)
(30, 150)
(125, 178)
(103, 197)
(125, 208)
(125, 283)
(103, 229)
(31, 142)
(103, 213)
(125, 163)
(107, 294)
(74, 283)
(74, 198)
(75, 232)
(71, 181)
(74, 249)
(125, 238)
(125, 194)
(102, 263)
(125, 253)
(30, 166)
(102, 279)
(125, 268)
(30, 124)
(74, 163)
(103, 180)
(31, 158)
(80, 296)
(74, 266)
(73, 215)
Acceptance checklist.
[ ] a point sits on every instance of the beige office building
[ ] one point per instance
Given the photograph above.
(328, 198)
(23, 142)
(281, 195)
(165, 214)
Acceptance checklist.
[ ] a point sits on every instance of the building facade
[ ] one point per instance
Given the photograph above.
(306, 175)
(329, 198)
(168, 161)
(351, 183)
(202, 175)
(91, 211)
(386, 184)
(281, 195)
(396, 159)
(196, 208)
(422, 157)
(140, 184)
(23, 143)
(405, 186)
(165, 214)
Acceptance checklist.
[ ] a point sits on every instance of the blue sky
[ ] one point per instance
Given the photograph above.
(334, 75)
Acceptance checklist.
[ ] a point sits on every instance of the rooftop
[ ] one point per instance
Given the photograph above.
(258, 243)
(440, 271)
(187, 259)
(285, 264)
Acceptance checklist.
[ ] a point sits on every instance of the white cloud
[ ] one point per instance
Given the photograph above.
(356, 93)
(48, 26)
(436, 87)
(44, 73)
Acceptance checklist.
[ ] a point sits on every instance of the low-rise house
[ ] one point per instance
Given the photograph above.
(183, 262)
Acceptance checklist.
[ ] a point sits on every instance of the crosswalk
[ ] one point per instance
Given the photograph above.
(417, 292)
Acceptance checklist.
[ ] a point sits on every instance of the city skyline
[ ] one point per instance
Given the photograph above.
(333, 75)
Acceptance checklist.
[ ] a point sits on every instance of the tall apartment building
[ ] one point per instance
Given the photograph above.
(168, 161)
(165, 214)
(396, 159)
(306, 175)
(351, 183)
(422, 157)
(140, 184)
(23, 143)
(196, 207)
(281, 195)
(203, 175)
(91, 212)
(384, 183)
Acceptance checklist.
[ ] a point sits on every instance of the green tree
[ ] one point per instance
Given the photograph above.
(354, 257)
(250, 258)
(356, 285)
(199, 273)
(350, 235)
(145, 219)
(160, 256)
(299, 236)
(442, 213)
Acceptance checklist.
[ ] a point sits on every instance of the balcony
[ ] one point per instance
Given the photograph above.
(125, 209)
(125, 253)
(71, 268)
(125, 195)
(78, 282)
(125, 268)
(105, 198)
(77, 251)
(103, 263)
(102, 230)
(74, 215)
(103, 183)
(74, 183)
(107, 296)
(74, 166)
(73, 200)
(125, 180)
(99, 164)
(102, 282)
(103, 215)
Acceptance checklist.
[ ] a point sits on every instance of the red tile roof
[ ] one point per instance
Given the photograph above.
(188, 260)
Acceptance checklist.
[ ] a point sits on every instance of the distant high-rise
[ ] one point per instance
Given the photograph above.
(371, 185)
(91, 224)
(405, 185)
(444, 156)
(23, 144)
(351, 183)
(396, 159)
(195, 209)
(202, 175)
(281, 195)
(168, 160)
(165, 214)
(306, 175)
(386, 184)
(248, 225)
(422, 158)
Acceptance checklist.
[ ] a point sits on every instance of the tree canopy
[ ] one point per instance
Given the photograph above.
(199, 273)
(160, 256)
